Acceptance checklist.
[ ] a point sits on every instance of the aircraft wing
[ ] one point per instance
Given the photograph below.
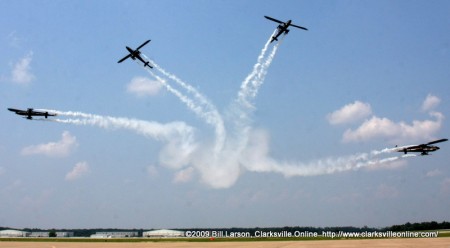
(436, 141)
(273, 19)
(124, 58)
(15, 110)
(145, 43)
(421, 146)
(298, 27)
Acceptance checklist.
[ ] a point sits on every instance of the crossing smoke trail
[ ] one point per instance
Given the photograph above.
(204, 109)
(222, 170)
(242, 106)
(183, 98)
(242, 149)
(248, 149)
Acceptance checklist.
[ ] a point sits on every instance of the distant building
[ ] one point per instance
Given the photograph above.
(64, 234)
(99, 236)
(47, 234)
(13, 233)
(39, 234)
(163, 233)
(114, 235)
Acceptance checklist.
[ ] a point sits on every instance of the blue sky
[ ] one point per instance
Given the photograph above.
(227, 130)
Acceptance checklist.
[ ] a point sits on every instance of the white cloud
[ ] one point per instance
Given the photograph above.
(79, 170)
(372, 128)
(381, 127)
(350, 113)
(430, 103)
(141, 86)
(60, 148)
(395, 132)
(21, 73)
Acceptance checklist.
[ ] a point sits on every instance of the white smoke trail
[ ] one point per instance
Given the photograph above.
(261, 75)
(211, 115)
(243, 149)
(249, 150)
(178, 137)
(155, 130)
(186, 100)
(225, 171)
(256, 158)
(203, 100)
(244, 90)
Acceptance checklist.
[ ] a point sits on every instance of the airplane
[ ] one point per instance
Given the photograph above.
(282, 28)
(424, 149)
(30, 112)
(136, 54)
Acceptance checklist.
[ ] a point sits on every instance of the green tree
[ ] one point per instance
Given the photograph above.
(52, 233)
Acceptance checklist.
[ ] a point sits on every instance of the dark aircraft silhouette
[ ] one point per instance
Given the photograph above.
(282, 28)
(30, 112)
(136, 54)
(424, 149)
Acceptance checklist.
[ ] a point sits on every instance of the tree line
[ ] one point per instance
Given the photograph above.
(433, 225)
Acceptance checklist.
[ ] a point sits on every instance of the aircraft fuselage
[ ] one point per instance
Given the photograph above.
(423, 150)
(29, 113)
(283, 27)
(134, 53)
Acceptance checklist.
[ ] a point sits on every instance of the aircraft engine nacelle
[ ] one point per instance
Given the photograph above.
(46, 115)
(287, 31)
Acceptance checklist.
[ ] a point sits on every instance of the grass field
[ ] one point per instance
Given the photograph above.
(443, 240)
(189, 243)
(442, 234)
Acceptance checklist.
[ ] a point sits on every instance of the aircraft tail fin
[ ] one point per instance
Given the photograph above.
(147, 64)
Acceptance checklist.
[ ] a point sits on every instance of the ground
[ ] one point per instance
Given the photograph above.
(392, 243)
